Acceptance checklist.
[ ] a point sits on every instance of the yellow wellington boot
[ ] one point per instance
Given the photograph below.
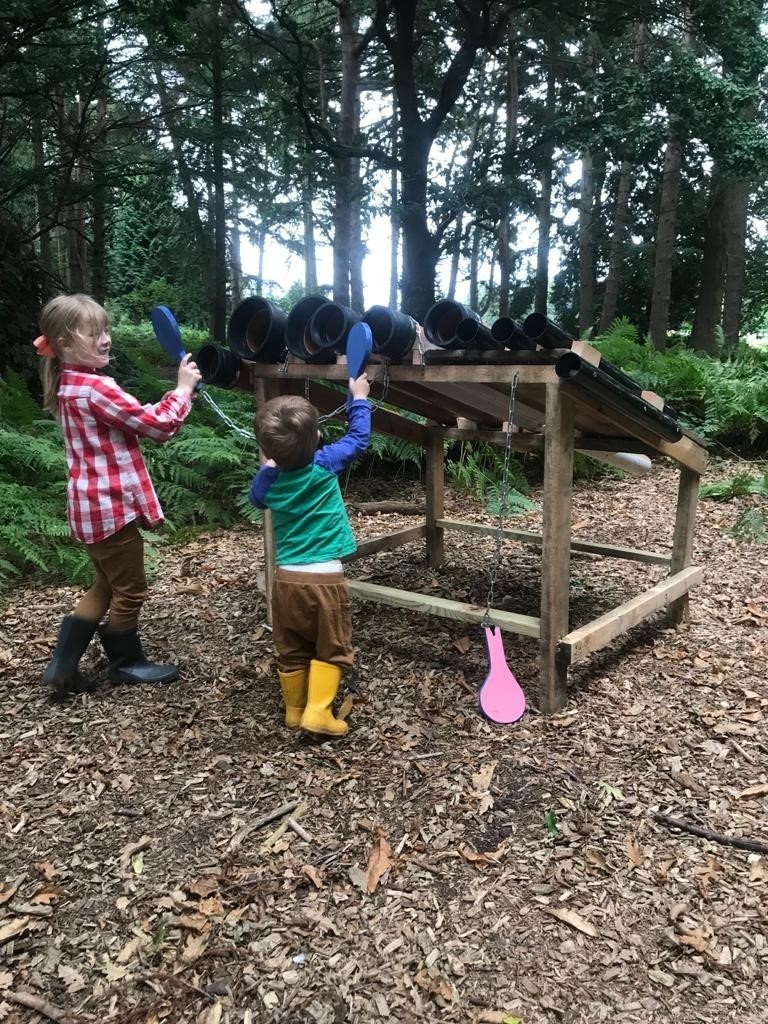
(294, 687)
(324, 682)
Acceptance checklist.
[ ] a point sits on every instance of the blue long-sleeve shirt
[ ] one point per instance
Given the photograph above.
(309, 519)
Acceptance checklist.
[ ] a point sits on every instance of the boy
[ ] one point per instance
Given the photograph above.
(312, 622)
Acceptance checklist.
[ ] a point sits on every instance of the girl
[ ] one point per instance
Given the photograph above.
(109, 494)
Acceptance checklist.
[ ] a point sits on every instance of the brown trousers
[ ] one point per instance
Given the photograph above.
(311, 619)
(121, 583)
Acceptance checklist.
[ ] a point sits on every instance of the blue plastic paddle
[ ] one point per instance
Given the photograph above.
(168, 334)
(359, 348)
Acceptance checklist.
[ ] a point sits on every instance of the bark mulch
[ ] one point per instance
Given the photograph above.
(174, 854)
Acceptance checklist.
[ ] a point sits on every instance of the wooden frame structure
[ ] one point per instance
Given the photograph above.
(550, 415)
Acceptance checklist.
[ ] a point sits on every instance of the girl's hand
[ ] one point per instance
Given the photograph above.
(360, 387)
(189, 375)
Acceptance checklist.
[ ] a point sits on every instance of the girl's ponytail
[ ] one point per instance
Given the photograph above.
(50, 375)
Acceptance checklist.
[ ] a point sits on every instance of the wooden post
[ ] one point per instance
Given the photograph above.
(556, 540)
(435, 487)
(264, 390)
(682, 541)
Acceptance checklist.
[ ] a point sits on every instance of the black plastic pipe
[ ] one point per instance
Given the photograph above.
(441, 322)
(256, 330)
(545, 332)
(475, 333)
(508, 332)
(297, 334)
(572, 368)
(330, 326)
(393, 332)
(218, 365)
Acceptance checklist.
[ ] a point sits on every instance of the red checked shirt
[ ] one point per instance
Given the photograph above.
(109, 485)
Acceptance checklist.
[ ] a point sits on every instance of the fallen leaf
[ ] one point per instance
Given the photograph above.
(47, 870)
(194, 948)
(211, 907)
(758, 870)
(346, 706)
(6, 980)
(634, 851)
(463, 644)
(137, 862)
(760, 789)
(73, 979)
(438, 986)
(573, 919)
(203, 886)
(14, 927)
(483, 859)
(193, 922)
(312, 873)
(379, 862)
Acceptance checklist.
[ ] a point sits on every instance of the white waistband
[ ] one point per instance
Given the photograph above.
(333, 566)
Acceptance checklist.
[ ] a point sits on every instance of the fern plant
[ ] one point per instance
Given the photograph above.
(741, 485)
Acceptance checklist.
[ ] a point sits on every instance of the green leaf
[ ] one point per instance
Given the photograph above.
(550, 821)
(137, 862)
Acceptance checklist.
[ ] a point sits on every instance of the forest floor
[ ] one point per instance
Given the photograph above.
(442, 868)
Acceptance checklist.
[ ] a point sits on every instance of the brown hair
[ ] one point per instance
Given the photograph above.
(286, 428)
(60, 320)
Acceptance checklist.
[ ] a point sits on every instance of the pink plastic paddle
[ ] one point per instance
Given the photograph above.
(501, 696)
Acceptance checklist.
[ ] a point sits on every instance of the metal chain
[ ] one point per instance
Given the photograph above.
(327, 416)
(225, 419)
(486, 621)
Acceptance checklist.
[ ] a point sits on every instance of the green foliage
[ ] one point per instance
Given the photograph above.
(741, 485)
(724, 400)
(479, 469)
(750, 528)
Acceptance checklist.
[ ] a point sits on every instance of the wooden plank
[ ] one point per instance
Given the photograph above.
(435, 494)
(383, 421)
(264, 391)
(652, 399)
(682, 540)
(592, 547)
(388, 541)
(586, 352)
(685, 451)
(583, 641)
(521, 442)
(556, 548)
(490, 374)
(428, 604)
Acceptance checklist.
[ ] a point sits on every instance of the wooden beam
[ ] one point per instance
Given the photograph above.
(592, 547)
(685, 451)
(583, 641)
(488, 374)
(388, 541)
(682, 540)
(435, 494)
(265, 390)
(521, 442)
(556, 547)
(427, 604)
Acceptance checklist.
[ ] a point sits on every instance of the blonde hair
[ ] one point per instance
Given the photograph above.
(286, 428)
(61, 319)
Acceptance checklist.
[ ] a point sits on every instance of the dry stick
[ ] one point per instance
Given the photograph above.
(300, 832)
(279, 812)
(38, 1004)
(282, 828)
(754, 845)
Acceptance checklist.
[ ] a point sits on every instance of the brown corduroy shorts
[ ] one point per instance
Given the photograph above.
(311, 618)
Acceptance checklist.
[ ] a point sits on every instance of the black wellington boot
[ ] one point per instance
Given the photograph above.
(62, 673)
(127, 663)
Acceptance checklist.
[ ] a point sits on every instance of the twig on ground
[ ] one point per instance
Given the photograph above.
(38, 1004)
(755, 845)
(300, 832)
(282, 828)
(279, 812)
(132, 849)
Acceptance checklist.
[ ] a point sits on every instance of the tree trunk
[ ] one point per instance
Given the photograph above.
(474, 261)
(347, 238)
(665, 242)
(310, 258)
(586, 246)
(420, 246)
(734, 273)
(541, 288)
(394, 214)
(219, 202)
(235, 259)
(616, 249)
(709, 306)
(511, 112)
(41, 195)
